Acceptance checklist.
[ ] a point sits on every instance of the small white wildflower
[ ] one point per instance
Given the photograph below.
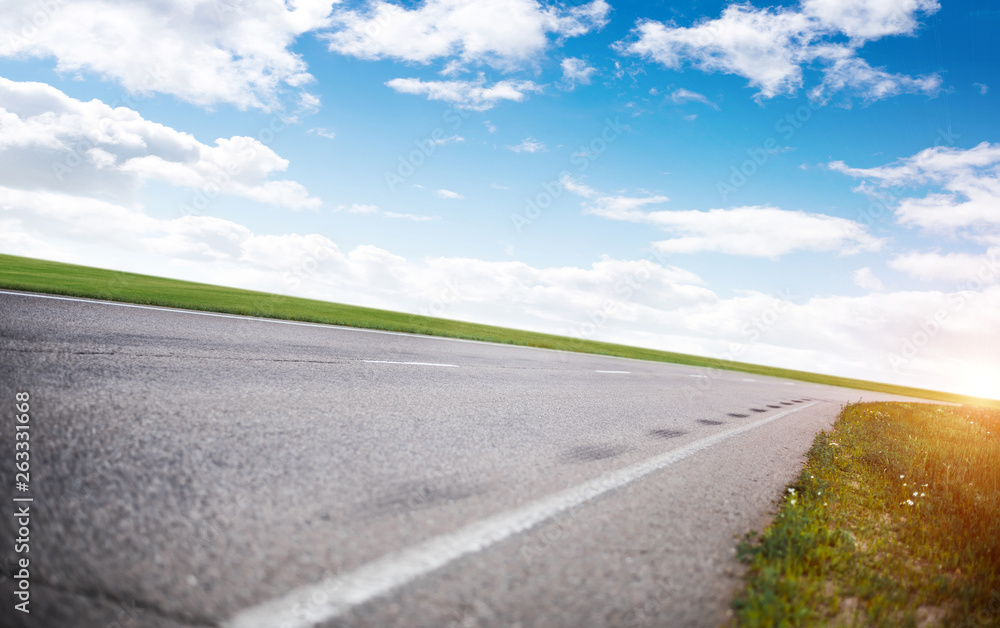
(793, 502)
(914, 493)
(901, 477)
(910, 502)
(791, 490)
(922, 494)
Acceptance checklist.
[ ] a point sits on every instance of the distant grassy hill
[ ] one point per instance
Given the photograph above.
(33, 275)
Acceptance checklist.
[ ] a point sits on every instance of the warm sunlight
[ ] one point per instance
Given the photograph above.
(981, 381)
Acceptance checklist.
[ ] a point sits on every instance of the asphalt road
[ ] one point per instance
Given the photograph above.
(204, 470)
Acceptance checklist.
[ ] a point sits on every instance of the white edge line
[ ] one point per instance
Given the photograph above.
(455, 366)
(313, 604)
(621, 372)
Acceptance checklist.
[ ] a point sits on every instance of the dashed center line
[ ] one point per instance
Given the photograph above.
(454, 366)
(622, 372)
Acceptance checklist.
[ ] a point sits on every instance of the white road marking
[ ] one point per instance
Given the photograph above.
(314, 604)
(622, 372)
(455, 366)
(747, 379)
(695, 375)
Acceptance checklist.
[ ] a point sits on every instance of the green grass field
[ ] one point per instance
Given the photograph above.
(21, 273)
(895, 521)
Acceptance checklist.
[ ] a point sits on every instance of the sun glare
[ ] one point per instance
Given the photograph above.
(982, 381)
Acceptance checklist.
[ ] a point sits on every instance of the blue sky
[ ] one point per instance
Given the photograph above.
(812, 184)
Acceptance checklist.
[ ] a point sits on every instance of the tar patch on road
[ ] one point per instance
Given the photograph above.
(589, 453)
(665, 434)
(419, 495)
(737, 415)
(709, 422)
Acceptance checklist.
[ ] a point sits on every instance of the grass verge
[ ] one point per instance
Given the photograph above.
(895, 521)
(22, 273)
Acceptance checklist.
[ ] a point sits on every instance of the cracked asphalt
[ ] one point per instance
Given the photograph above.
(186, 468)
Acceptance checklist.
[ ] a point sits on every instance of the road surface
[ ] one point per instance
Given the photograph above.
(190, 469)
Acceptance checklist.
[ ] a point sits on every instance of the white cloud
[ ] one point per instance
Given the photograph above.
(965, 186)
(51, 141)
(474, 95)
(361, 208)
(770, 47)
(760, 232)
(451, 139)
(982, 88)
(413, 217)
(957, 267)
(528, 145)
(854, 75)
(321, 132)
(448, 194)
(751, 231)
(576, 72)
(684, 95)
(870, 19)
(503, 34)
(865, 279)
(201, 51)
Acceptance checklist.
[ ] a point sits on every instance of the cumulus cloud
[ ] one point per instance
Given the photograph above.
(51, 141)
(760, 232)
(201, 51)
(964, 187)
(750, 231)
(502, 34)
(77, 229)
(576, 72)
(957, 267)
(474, 95)
(770, 47)
(864, 20)
(865, 279)
(448, 194)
